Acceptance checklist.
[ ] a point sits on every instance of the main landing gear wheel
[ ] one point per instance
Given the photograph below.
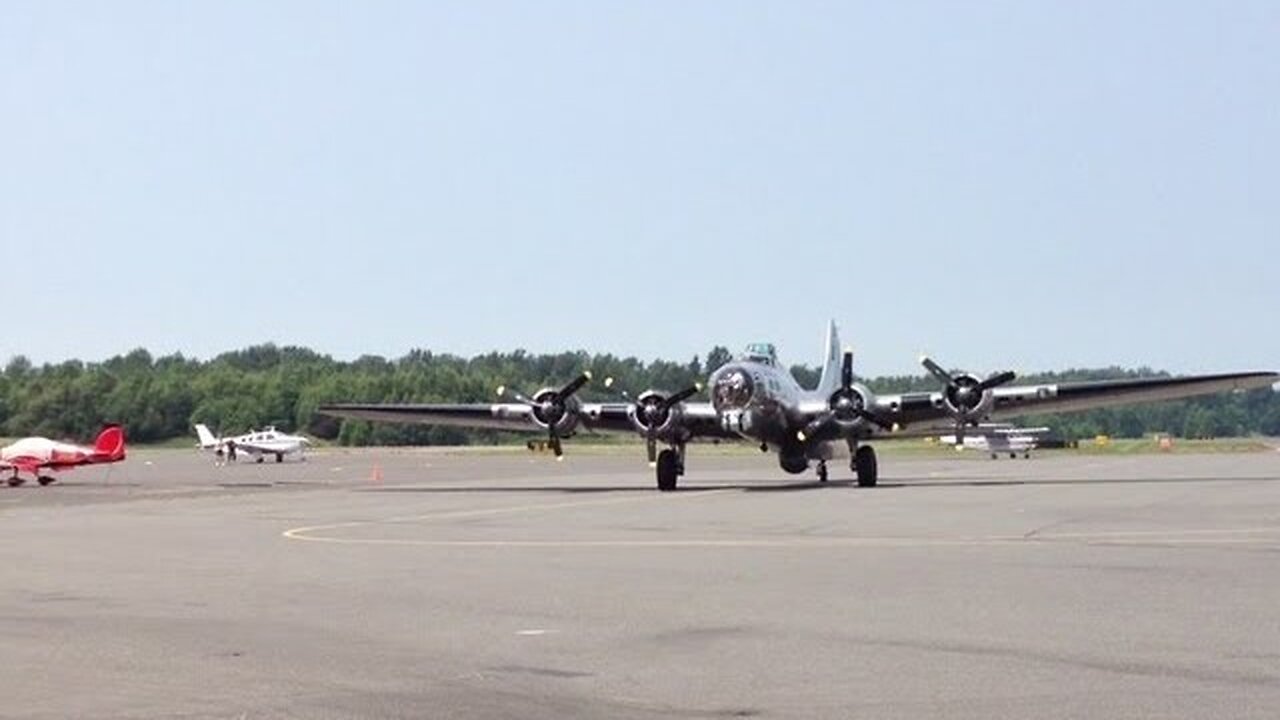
(864, 463)
(668, 470)
(15, 481)
(46, 480)
(822, 471)
(279, 457)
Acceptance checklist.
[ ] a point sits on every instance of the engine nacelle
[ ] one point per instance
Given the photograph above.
(547, 413)
(651, 415)
(848, 405)
(964, 401)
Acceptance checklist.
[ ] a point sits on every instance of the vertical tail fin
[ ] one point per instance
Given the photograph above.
(830, 380)
(110, 444)
(207, 440)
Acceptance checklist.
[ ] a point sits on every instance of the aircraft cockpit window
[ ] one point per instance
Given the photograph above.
(763, 353)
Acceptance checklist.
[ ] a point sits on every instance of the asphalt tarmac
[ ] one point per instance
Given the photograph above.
(415, 584)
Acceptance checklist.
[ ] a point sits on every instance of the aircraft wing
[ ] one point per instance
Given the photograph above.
(916, 412)
(497, 416)
(1011, 401)
(699, 419)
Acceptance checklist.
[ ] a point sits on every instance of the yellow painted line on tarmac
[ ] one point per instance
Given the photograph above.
(1167, 541)
(306, 533)
(833, 542)
(1164, 538)
(766, 543)
(1199, 536)
(1225, 537)
(1125, 534)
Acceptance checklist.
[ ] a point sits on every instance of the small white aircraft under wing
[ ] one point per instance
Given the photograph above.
(257, 443)
(756, 399)
(998, 439)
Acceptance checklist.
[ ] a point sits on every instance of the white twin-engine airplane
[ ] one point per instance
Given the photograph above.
(998, 439)
(753, 398)
(258, 443)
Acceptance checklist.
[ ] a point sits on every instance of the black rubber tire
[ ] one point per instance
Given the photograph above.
(822, 473)
(668, 470)
(279, 457)
(864, 461)
(15, 481)
(46, 480)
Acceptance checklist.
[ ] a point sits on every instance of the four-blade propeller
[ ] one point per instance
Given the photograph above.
(964, 393)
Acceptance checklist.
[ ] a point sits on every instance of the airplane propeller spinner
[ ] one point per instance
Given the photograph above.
(847, 405)
(653, 413)
(556, 410)
(965, 396)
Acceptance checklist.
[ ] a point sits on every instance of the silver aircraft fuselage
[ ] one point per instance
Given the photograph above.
(758, 399)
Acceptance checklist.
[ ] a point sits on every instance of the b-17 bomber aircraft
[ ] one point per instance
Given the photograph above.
(258, 443)
(755, 399)
(34, 454)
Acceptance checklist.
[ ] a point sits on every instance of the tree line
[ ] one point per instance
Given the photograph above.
(159, 398)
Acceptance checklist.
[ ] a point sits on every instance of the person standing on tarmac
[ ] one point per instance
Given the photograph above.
(231, 451)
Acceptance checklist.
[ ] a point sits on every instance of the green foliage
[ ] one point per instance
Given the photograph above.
(159, 398)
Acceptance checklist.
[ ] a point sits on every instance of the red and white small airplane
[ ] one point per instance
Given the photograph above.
(33, 454)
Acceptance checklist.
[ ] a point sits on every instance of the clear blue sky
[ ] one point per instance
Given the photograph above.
(1030, 185)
